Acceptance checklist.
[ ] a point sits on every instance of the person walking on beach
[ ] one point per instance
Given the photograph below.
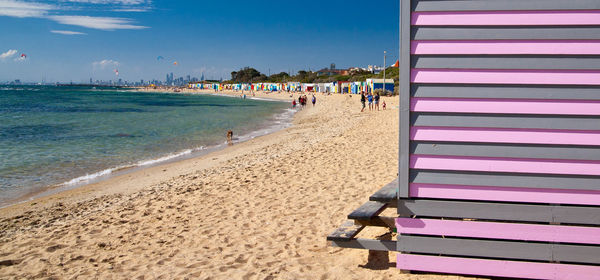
(293, 103)
(314, 100)
(370, 99)
(377, 101)
(363, 99)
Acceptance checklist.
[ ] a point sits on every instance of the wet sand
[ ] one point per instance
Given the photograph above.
(256, 210)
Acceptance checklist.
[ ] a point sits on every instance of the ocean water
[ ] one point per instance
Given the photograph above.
(68, 135)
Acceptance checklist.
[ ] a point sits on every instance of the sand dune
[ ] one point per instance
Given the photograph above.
(256, 210)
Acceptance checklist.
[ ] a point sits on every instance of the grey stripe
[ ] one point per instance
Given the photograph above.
(375, 245)
(505, 33)
(506, 91)
(506, 62)
(493, 5)
(506, 121)
(506, 180)
(500, 211)
(505, 150)
(499, 249)
(404, 89)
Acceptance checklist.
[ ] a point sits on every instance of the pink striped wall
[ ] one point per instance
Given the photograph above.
(516, 165)
(506, 106)
(528, 77)
(510, 194)
(525, 232)
(497, 268)
(500, 135)
(522, 194)
(507, 18)
(566, 47)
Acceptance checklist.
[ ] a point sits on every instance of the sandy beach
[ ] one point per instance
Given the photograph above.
(256, 210)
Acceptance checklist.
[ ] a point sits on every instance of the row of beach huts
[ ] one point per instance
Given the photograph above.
(369, 85)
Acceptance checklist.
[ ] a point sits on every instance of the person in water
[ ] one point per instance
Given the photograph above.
(230, 137)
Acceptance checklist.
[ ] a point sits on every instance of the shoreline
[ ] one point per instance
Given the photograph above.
(259, 209)
(271, 126)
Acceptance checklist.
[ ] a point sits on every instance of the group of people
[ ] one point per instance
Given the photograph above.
(373, 101)
(303, 99)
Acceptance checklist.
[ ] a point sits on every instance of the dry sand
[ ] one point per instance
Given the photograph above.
(257, 210)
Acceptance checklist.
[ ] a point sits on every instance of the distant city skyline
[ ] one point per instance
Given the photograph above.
(73, 40)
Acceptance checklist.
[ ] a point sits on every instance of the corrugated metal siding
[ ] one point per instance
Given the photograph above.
(503, 106)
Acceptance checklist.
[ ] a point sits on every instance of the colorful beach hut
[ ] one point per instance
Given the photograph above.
(499, 156)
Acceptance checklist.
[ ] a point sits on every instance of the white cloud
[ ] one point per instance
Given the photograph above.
(105, 63)
(67, 32)
(21, 9)
(14, 8)
(133, 10)
(103, 23)
(8, 54)
(120, 2)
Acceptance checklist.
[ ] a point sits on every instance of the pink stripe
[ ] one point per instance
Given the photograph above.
(559, 196)
(533, 77)
(505, 106)
(526, 232)
(591, 17)
(499, 135)
(506, 47)
(518, 165)
(498, 268)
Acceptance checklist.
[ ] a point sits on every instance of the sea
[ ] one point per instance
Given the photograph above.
(59, 137)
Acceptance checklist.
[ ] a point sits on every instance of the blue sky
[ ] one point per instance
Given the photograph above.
(73, 40)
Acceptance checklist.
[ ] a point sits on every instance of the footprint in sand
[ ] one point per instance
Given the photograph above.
(55, 247)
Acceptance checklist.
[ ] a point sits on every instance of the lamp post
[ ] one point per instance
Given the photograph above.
(384, 53)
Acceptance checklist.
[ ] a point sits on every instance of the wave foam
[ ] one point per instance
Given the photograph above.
(89, 177)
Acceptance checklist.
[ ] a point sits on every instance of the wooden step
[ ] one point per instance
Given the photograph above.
(386, 194)
(367, 211)
(346, 232)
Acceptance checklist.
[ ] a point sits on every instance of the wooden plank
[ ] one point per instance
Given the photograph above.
(506, 106)
(504, 33)
(367, 211)
(475, 248)
(346, 231)
(386, 194)
(507, 18)
(534, 181)
(500, 76)
(510, 165)
(499, 211)
(505, 194)
(508, 62)
(493, 230)
(404, 85)
(503, 5)
(505, 150)
(373, 245)
(499, 249)
(506, 135)
(515, 269)
(506, 91)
